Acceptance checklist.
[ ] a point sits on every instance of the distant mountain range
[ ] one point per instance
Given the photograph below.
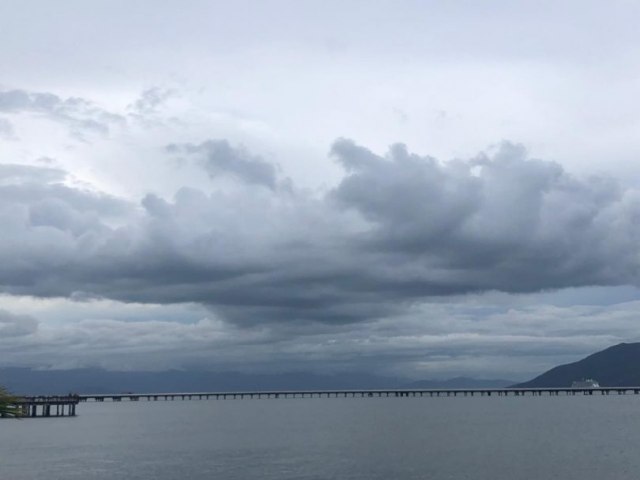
(615, 366)
(459, 382)
(26, 381)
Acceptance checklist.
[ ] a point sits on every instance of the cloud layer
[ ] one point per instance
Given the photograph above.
(79, 114)
(12, 325)
(218, 157)
(428, 341)
(397, 230)
(385, 257)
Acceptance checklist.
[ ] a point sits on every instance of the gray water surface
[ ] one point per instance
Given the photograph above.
(362, 438)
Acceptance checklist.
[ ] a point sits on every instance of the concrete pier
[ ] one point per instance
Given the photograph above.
(48, 406)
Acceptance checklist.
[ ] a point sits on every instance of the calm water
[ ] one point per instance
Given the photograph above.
(371, 438)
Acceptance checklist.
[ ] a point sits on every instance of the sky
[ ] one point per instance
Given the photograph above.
(423, 189)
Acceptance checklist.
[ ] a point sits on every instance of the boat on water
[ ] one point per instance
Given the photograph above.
(585, 383)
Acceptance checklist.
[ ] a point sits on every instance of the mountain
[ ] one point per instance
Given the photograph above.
(615, 366)
(25, 381)
(459, 382)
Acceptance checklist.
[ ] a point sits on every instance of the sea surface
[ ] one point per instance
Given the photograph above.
(354, 438)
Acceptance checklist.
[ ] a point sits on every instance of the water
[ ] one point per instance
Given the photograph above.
(370, 438)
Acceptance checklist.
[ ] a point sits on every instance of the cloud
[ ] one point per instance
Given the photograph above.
(80, 115)
(6, 129)
(18, 174)
(501, 222)
(218, 157)
(12, 325)
(150, 100)
(46, 225)
(514, 342)
(396, 231)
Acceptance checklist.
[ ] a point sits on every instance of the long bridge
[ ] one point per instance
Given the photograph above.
(472, 392)
(53, 406)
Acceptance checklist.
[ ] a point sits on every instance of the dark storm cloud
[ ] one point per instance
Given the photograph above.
(47, 226)
(397, 230)
(218, 157)
(503, 222)
(78, 114)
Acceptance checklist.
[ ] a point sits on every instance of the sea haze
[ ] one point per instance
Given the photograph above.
(480, 438)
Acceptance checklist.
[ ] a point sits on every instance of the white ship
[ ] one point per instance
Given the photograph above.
(585, 383)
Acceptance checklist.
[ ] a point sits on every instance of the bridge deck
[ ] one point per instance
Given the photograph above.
(60, 406)
(239, 395)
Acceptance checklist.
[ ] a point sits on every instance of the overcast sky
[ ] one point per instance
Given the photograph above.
(416, 188)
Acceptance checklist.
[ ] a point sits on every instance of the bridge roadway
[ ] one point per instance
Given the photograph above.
(65, 406)
(475, 392)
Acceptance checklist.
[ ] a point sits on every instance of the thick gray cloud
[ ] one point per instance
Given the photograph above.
(46, 225)
(397, 230)
(218, 157)
(331, 273)
(458, 338)
(501, 222)
(78, 114)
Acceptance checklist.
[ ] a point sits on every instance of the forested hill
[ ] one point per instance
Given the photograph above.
(615, 366)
